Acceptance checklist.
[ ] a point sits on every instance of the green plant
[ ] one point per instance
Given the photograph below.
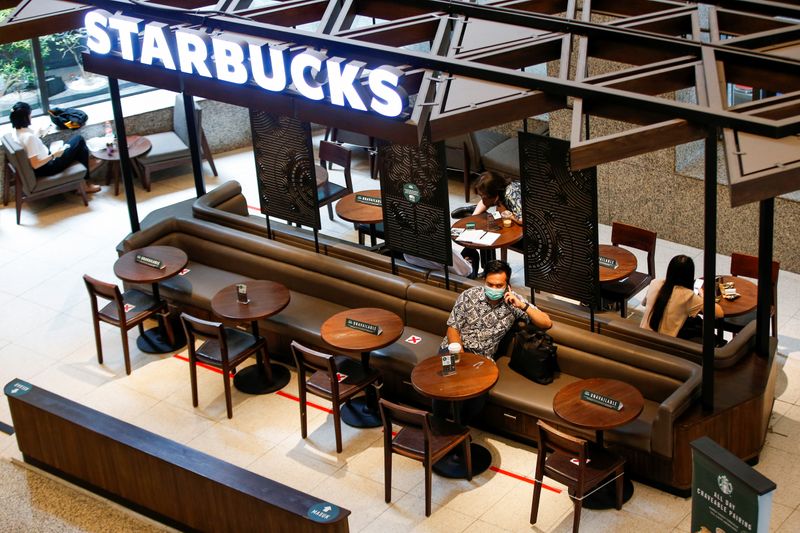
(70, 42)
(15, 66)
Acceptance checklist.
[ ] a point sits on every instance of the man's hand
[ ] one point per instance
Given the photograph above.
(512, 299)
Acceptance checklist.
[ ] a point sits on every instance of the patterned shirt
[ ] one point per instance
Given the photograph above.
(482, 325)
(512, 198)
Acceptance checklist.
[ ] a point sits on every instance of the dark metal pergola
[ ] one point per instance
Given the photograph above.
(662, 70)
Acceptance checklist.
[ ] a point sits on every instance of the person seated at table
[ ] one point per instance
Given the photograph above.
(482, 316)
(496, 191)
(671, 305)
(43, 162)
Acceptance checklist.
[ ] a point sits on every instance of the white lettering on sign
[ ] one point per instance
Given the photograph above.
(312, 74)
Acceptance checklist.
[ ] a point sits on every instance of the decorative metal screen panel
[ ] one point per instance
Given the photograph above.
(416, 206)
(287, 186)
(560, 218)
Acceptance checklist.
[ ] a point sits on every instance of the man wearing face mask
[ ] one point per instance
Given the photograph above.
(480, 319)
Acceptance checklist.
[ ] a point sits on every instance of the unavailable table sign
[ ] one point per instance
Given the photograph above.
(469, 225)
(363, 326)
(599, 399)
(369, 200)
(414, 339)
(448, 365)
(608, 262)
(241, 293)
(149, 261)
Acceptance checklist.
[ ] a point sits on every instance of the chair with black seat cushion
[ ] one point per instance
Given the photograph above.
(747, 266)
(124, 310)
(465, 153)
(171, 148)
(28, 187)
(328, 191)
(359, 140)
(573, 462)
(222, 347)
(422, 437)
(320, 374)
(619, 292)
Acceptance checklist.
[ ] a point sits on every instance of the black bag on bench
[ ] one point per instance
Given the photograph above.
(534, 355)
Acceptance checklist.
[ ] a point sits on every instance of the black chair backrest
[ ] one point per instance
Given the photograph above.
(19, 161)
(179, 125)
(641, 239)
(335, 153)
(197, 328)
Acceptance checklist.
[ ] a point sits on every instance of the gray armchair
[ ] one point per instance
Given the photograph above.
(171, 148)
(466, 153)
(28, 187)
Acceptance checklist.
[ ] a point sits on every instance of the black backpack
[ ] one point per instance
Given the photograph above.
(69, 118)
(534, 355)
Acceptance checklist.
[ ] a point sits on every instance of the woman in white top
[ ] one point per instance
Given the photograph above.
(671, 301)
(43, 162)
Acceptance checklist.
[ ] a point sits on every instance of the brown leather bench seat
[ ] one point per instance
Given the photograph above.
(321, 286)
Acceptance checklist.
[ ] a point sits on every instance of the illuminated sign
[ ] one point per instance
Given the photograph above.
(309, 73)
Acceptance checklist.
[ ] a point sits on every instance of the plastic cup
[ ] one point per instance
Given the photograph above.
(455, 350)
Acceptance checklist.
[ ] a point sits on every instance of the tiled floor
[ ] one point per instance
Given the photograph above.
(46, 338)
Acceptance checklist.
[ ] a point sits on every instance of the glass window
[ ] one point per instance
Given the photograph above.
(17, 77)
(65, 79)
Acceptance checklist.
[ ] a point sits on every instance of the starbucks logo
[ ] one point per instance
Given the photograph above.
(724, 484)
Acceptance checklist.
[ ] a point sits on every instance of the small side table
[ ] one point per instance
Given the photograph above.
(360, 213)
(137, 146)
(266, 298)
(569, 406)
(126, 268)
(626, 263)
(474, 376)
(487, 222)
(362, 413)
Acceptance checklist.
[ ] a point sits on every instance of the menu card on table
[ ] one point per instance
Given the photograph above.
(478, 236)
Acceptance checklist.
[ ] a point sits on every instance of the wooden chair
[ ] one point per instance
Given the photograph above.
(28, 187)
(171, 148)
(317, 374)
(328, 191)
(423, 438)
(223, 348)
(359, 140)
(124, 310)
(621, 291)
(747, 267)
(570, 461)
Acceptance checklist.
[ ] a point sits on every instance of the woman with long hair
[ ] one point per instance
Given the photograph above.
(672, 307)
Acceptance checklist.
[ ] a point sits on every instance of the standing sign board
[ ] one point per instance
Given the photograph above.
(727, 494)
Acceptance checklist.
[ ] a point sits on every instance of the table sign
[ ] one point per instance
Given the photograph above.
(241, 293)
(599, 399)
(369, 200)
(149, 261)
(470, 225)
(363, 326)
(727, 494)
(448, 365)
(608, 262)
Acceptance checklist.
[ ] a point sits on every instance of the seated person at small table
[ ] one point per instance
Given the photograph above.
(482, 316)
(496, 191)
(672, 307)
(43, 162)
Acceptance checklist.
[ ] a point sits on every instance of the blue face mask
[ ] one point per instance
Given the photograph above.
(494, 294)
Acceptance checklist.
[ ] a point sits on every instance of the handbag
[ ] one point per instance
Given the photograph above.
(534, 355)
(69, 118)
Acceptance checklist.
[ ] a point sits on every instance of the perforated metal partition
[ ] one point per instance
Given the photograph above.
(416, 205)
(284, 157)
(560, 218)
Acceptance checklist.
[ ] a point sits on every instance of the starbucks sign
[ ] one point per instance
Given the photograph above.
(728, 496)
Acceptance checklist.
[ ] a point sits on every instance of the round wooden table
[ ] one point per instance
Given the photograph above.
(351, 210)
(137, 146)
(747, 300)
(154, 340)
(626, 263)
(362, 412)
(569, 406)
(266, 298)
(474, 376)
(487, 222)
